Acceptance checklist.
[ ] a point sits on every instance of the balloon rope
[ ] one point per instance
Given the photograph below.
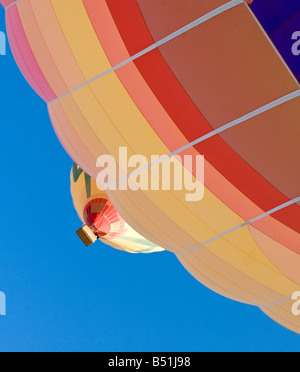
(213, 133)
(281, 207)
(266, 214)
(276, 303)
(8, 6)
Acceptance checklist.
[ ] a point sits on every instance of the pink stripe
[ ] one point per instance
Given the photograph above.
(24, 56)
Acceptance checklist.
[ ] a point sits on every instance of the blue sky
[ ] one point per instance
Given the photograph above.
(64, 297)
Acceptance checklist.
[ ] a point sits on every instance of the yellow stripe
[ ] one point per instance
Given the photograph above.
(81, 37)
(57, 44)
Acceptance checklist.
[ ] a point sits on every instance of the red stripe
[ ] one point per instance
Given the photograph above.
(189, 120)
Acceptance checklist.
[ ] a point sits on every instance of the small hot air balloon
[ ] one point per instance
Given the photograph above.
(101, 219)
(217, 78)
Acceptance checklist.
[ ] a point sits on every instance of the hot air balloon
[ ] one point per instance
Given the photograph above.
(101, 219)
(216, 78)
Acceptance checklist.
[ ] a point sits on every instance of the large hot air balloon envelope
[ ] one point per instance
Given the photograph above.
(183, 77)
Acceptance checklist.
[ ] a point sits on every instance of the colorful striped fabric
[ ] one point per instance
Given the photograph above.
(202, 77)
